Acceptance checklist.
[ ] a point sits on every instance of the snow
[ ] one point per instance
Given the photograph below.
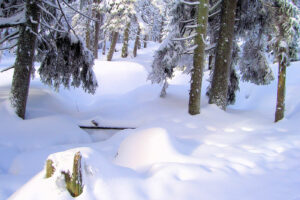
(217, 155)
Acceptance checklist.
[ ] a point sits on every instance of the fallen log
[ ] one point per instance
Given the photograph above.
(105, 128)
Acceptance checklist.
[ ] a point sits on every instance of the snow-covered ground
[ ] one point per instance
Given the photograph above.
(239, 154)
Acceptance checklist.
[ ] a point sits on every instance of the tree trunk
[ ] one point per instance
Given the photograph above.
(112, 46)
(125, 42)
(199, 58)
(145, 41)
(280, 105)
(104, 47)
(161, 31)
(97, 31)
(219, 88)
(136, 43)
(25, 58)
(283, 51)
(88, 34)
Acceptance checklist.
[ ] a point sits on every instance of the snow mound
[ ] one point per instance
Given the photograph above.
(147, 147)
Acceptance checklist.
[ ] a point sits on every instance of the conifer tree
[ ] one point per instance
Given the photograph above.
(219, 88)
(118, 15)
(199, 58)
(287, 27)
(43, 27)
(125, 41)
(25, 57)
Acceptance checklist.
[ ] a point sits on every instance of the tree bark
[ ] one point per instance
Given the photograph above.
(104, 47)
(280, 105)
(136, 43)
(112, 46)
(145, 41)
(88, 34)
(125, 42)
(25, 58)
(161, 31)
(282, 53)
(199, 58)
(97, 31)
(219, 89)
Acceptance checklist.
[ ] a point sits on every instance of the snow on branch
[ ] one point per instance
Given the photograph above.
(190, 3)
(215, 13)
(192, 26)
(217, 5)
(51, 4)
(188, 21)
(15, 20)
(185, 38)
(9, 37)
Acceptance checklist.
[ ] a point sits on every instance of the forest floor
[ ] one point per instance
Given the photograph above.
(240, 154)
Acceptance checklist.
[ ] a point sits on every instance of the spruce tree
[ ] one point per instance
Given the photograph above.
(199, 58)
(287, 27)
(113, 44)
(219, 88)
(125, 41)
(25, 57)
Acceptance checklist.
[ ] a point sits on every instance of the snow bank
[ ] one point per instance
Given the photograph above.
(217, 155)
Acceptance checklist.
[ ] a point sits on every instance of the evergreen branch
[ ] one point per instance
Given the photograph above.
(185, 38)
(9, 37)
(12, 21)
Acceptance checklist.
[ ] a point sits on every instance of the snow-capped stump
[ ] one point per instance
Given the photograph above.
(49, 168)
(74, 183)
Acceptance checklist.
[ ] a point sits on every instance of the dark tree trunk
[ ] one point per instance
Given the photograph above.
(25, 58)
(199, 58)
(136, 43)
(112, 46)
(219, 88)
(97, 31)
(161, 31)
(125, 42)
(145, 41)
(104, 47)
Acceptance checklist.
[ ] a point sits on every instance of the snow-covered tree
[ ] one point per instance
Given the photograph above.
(38, 25)
(286, 17)
(254, 28)
(118, 15)
(174, 51)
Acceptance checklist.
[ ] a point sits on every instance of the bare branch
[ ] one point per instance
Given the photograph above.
(6, 69)
(95, 20)
(64, 16)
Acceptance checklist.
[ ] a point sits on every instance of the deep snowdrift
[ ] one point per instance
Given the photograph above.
(217, 155)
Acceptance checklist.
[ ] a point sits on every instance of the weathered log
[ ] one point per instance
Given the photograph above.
(105, 128)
